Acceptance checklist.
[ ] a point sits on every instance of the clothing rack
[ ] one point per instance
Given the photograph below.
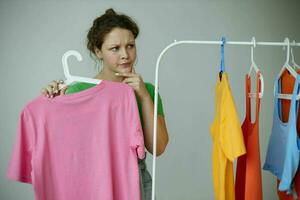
(286, 43)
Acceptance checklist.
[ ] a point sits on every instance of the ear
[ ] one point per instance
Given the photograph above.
(98, 53)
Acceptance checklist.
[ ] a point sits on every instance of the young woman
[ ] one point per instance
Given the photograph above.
(111, 39)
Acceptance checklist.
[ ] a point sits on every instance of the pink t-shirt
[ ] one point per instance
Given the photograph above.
(81, 146)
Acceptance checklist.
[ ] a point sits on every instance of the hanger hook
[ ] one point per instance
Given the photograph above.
(292, 54)
(252, 47)
(287, 41)
(65, 59)
(222, 67)
(223, 40)
(254, 42)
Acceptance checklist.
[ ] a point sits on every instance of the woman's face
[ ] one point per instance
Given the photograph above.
(118, 51)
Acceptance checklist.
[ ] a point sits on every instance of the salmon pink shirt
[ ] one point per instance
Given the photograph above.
(81, 146)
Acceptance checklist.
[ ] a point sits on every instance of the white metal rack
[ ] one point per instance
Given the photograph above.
(175, 43)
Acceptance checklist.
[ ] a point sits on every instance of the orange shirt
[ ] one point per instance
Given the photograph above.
(248, 185)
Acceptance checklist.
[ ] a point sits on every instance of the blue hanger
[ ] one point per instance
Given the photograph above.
(222, 67)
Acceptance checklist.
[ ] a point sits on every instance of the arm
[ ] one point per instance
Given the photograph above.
(162, 133)
(136, 82)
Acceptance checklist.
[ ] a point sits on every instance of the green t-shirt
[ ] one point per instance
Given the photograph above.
(77, 87)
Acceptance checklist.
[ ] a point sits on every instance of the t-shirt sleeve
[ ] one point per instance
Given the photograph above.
(151, 89)
(231, 135)
(19, 168)
(136, 133)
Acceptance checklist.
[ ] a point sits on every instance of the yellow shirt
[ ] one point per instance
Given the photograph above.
(228, 142)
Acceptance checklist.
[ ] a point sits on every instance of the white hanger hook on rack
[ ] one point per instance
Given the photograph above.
(292, 54)
(290, 69)
(294, 64)
(287, 41)
(252, 47)
(256, 69)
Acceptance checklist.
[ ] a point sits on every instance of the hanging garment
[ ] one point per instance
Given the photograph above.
(145, 176)
(287, 85)
(228, 141)
(248, 184)
(283, 154)
(80, 146)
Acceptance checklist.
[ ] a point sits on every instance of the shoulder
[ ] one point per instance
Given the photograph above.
(35, 106)
(150, 87)
(30, 105)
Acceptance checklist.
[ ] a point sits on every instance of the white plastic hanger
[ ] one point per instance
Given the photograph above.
(294, 64)
(255, 68)
(287, 66)
(70, 78)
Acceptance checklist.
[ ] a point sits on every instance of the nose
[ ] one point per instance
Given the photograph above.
(124, 53)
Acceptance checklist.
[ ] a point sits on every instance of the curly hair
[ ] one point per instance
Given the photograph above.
(104, 24)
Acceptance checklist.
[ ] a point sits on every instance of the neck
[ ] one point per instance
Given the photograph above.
(108, 75)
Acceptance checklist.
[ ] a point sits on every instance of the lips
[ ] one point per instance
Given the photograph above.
(125, 65)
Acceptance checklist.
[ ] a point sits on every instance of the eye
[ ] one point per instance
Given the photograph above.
(130, 46)
(114, 48)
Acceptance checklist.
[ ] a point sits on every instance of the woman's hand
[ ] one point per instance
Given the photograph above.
(52, 90)
(136, 82)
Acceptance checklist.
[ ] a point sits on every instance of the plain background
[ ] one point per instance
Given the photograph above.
(35, 34)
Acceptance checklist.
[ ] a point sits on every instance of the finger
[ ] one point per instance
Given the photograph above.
(125, 74)
(133, 85)
(50, 90)
(44, 92)
(54, 84)
(63, 90)
(130, 80)
(60, 86)
(133, 70)
(51, 87)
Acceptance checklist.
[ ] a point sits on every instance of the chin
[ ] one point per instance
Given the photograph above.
(125, 70)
